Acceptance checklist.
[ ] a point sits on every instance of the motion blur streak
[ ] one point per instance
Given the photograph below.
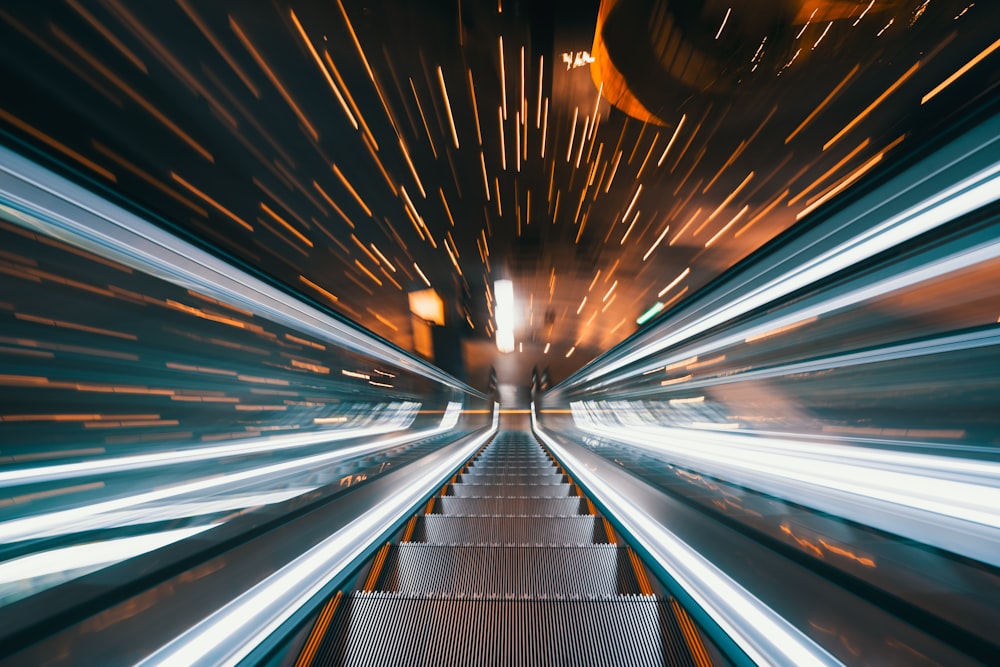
(232, 632)
(891, 220)
(763, 634)
(950, 503)
(45, 524)
(396, 422)
(70, 212)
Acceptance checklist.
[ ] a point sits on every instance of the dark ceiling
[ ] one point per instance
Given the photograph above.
(357, 151)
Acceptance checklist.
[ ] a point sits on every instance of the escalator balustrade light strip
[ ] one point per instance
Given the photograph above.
(759, 631)
(231, 633)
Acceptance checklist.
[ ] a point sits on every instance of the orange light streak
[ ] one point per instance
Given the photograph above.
(350, 98)
(503, 82)
(322, 68)
(572, 134)
(632, 203)
(812, 186)
(545, 127)
(486, 180)
(204, 197)
(871, 107)
(673, 138)
(541, 76)
(367, 272)
(378, 162)
(684, 274)
(656, 243)
(960, 71)
(108, 35)
(727, 226)
(645, 160)
(214, 41)
(44, 45)
(350, 188)
(475, 108)
(333, 204)
(503, 141)
(273, 78)
(62, 324)
(171, 61)
(148, 178)
(421, 274)
(447, 104)
(365, 249)
(517, 140)
(629, 230)
(423, 119)
(770, 207)
(413, 170)
(59, 146)
(614, 170)
(839, 187)
(725, 202)
(383, 258)
(583, 141)
(823, 104)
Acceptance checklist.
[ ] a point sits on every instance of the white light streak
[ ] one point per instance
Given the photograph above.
(766, 637)
(503, 295)
(674, 282)
(724, 19)
(231, 633)
(673, 138)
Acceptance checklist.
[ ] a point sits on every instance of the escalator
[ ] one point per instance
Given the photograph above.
(508, 565)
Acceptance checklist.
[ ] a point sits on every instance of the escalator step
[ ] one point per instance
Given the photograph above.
(510, 506)
(493, 530)
(530, 490)
(389, 629)
(488, 461)
(514, 477)
(499, 572)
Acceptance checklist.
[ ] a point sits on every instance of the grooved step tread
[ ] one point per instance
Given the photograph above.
(509, 572)
(510, 506)
(499, 530)
(388, 629)
(531, 490)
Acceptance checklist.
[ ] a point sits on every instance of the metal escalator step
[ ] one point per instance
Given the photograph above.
(511, 480)
(499, 530)
(504, 477)
(510, 506)
(493, 464)
(531, 490)
(390, 629)
(499, 572)
(511, 469)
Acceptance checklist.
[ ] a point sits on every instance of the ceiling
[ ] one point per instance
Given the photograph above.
(604, 156)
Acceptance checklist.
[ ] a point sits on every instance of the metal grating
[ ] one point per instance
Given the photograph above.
(509, 530)
(532, 490)
(389, 629)
(510, 506)
(509, 572)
